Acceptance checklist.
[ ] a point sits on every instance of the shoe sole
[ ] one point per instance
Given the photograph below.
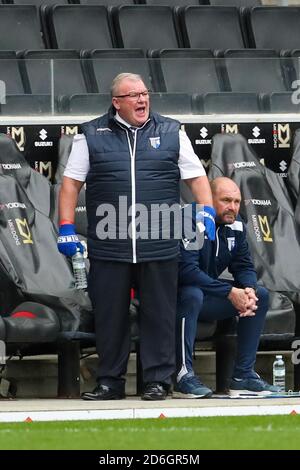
(149, 398)
(111, 397)
(249, 393)
(191, 395)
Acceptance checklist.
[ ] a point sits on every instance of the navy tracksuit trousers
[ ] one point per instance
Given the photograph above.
(193, 305)
(109, 289)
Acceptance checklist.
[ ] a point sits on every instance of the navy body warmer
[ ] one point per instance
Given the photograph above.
(129, 169)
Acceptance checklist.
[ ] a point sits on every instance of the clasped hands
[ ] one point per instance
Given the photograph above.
(244, 300)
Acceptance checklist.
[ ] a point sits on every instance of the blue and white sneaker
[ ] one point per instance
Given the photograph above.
(190, 386)
(251, 387)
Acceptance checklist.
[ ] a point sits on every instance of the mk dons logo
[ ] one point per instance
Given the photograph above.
(18, 134)
(45, 168)
(24, 230)
(281, 135)
(69, 130)
(265, 228)
(230, 128)
(284, 135)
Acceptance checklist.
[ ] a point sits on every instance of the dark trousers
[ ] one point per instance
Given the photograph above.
(109, 288)
(193, 305)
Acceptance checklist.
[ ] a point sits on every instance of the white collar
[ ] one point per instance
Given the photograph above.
(121, 120)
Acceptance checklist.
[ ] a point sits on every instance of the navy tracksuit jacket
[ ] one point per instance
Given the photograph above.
(203, 296)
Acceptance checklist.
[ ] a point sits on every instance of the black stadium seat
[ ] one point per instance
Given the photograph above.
(105, 64)
(85, 103)
(172, 103)
(272, 27)
(78, 26)
(267, 210)
(10, 73)
(212, 27)
(281, 102)
(231, 103)
(200, 70)
(28, 249)
(39, 2)
(107, 3)
(172, 3)
(57, 71)
(235, 3)
(255, 71)
(20, 28)
(146, 27)
(293, 176)
(31, 105)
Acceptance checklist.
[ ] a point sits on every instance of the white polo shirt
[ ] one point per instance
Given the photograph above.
(79, 164)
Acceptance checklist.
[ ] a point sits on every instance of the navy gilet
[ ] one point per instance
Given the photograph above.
(117, 179)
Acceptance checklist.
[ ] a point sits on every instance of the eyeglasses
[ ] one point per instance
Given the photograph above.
(134, 95)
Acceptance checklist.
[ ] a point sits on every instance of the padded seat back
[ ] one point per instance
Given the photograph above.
(267, 210)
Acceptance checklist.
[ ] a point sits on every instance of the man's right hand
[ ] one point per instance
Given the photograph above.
(68, 241)
(242, 302)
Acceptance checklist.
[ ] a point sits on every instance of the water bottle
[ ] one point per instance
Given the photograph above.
(79, 270)
(279, 373)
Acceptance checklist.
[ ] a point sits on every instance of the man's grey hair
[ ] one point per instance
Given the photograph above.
(123, 76)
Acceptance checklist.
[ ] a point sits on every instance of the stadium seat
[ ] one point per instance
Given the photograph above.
(30, 322)
(32, 264)
(268, 213)
(20, 28)
(201, 72)
(30, 257)
(272, 27)
(266, 208)
(281, 103)
(172, 3)
(31, 105)
(10, 74)
(172, 103)
(55, 72)
(38, 3)
(235, 3)
(105, 64)
(146, 27)
(107, 3)
(293, 176)
(212, 27)
(65, 21)
(85, 104)
(255, 71)
(231, 103)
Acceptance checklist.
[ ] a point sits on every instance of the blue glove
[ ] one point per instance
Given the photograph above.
(207, 217)
(68, 241)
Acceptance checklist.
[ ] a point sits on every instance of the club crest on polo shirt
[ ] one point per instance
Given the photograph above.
(155, 142)
(230, 243)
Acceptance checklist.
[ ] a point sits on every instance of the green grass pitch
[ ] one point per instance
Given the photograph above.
(246, 432)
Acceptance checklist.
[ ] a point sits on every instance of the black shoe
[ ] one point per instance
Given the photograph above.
(103, 392)
(155, 391)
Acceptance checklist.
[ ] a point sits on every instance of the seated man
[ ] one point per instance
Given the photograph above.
(202, 296)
